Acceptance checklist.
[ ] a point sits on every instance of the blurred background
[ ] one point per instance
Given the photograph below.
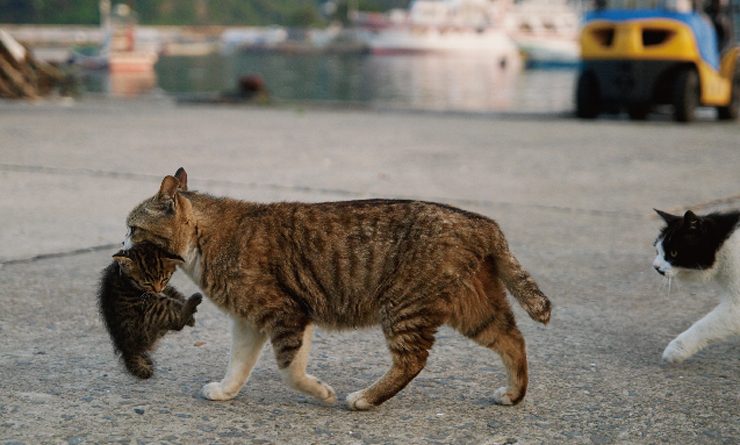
(527, 56)
(474, 55)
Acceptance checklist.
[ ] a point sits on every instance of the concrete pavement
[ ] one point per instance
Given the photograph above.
(574, 198)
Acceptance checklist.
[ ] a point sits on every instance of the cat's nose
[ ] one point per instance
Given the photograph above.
(658, 270)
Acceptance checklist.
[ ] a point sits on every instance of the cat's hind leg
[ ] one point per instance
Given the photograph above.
(500, 334)
(292, 346)
(722, 322)
(409, 333)
(246, 345)
(484, 315)
(495, 329)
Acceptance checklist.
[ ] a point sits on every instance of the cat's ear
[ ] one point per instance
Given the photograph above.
(691, 220)
(167, 192)
(168, 188)
(182, 178)
(177, 259)
(667, 217)
(122, 258)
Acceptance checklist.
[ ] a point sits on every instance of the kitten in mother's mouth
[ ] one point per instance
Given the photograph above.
(706, 248)
(138, 307)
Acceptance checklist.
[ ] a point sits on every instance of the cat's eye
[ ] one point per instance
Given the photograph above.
(673, 254)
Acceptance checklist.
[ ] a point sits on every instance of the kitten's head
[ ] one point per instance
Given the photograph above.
(165, 219)
(148, 266)
(690, 242)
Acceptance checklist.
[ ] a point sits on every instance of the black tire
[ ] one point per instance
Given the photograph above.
(588, 102)
(731, 111)
(638, 112)
(685, 95)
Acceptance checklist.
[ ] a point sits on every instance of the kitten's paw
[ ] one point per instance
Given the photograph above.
(196, 298)
(675, 353)
(214, 391)
(140, 366)
(502, 396)
(357, 401)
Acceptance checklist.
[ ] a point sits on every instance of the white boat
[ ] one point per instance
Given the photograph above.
(123, 46)
(122, 50)
(441, 26)
(249, 38)
(546, 31)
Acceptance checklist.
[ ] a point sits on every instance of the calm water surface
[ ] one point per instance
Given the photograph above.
(425, 82)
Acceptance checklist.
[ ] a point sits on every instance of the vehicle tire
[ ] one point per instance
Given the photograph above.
(685, 95)
(588, 102)
(638, 112)
(731, 110)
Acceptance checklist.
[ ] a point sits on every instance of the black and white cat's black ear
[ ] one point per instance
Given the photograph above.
(182, 178)
(667, 217)
(691, 220)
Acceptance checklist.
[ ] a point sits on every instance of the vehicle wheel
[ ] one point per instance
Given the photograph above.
(731, 110)
(587, 96)
(685, 95)
(638, 112)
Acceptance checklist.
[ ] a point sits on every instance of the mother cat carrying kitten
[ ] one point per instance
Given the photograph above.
(408, 266)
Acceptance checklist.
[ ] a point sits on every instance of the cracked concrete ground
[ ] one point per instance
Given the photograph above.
(574, 198)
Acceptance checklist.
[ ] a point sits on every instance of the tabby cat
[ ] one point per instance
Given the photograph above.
(407, 266)
(137, 305)
(702, 248)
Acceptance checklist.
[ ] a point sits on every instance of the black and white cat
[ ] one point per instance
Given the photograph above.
(705, 248)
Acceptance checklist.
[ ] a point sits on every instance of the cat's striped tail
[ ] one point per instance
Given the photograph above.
(519, 283)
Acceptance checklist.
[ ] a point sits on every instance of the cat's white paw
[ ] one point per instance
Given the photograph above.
(675, 353)
(327, 394)
(214, 391)
(502, 397)
(357, 401)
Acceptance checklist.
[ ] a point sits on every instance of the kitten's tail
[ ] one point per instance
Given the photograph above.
(519, 283)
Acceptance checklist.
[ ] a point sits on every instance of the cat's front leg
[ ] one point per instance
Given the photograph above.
(246, 345)
(722, 322)
(292, 347)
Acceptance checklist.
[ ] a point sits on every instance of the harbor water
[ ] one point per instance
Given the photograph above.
(419, 82)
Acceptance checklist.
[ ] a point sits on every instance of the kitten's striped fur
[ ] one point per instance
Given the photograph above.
(137, 305)
(407, 266)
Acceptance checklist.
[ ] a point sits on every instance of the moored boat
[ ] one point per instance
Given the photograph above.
(441, 26)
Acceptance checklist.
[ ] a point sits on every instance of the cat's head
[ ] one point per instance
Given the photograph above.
(165, 219)
(690, 242)
(148, 266)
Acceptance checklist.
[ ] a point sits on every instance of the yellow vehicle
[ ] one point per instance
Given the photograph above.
(636, 54)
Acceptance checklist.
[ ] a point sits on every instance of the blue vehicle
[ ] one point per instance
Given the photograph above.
(637, 54)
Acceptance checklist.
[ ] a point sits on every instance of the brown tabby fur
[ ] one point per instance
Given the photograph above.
(138, 307)
(408, 266)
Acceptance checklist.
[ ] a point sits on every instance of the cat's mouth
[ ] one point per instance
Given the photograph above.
(669, 272)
